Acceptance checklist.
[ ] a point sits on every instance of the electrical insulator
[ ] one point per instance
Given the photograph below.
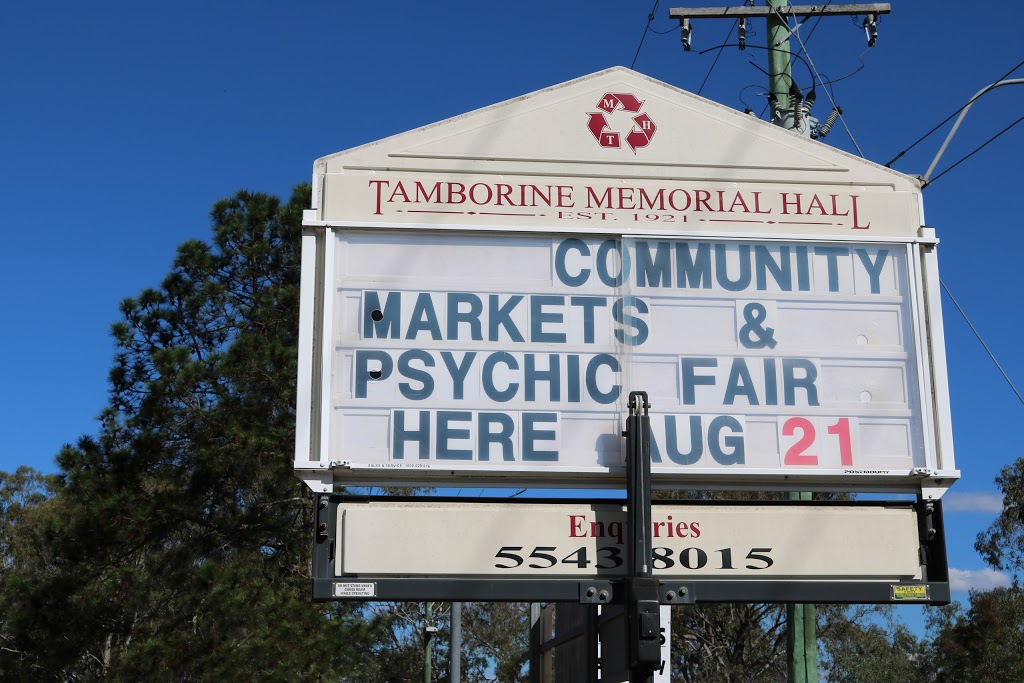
(796, 102)
(871, 28)
(685, 33)
(824, 128)
(809, 102)
(743, 33)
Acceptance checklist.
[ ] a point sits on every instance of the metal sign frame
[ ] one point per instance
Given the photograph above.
(933, 589)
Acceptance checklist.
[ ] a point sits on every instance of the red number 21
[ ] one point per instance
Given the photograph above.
(797, 455)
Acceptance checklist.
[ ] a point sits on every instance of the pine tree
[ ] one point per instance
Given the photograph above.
(175, 543)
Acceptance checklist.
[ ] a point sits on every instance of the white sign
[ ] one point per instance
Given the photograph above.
(486, 354)
(690, 541)
(481, 296)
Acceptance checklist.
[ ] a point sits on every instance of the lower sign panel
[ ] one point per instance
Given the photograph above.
(750, 542)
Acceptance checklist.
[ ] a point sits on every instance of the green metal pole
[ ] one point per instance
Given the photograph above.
(780, 72)
(801, 632)
(801, 635)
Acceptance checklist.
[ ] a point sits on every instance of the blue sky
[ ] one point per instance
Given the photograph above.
(124, 122)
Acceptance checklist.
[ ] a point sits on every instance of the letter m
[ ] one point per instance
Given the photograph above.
(382, 322)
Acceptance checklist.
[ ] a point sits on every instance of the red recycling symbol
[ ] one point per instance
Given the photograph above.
(639, 136)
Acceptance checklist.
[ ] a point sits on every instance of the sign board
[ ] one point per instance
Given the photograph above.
(481, 295)
(749, 542)
(855, 552)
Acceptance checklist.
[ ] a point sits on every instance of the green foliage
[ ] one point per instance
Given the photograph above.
(1002, 544)
(729, 643)
(866, 644)
(175, 544)
(983, 644)
(496, 633)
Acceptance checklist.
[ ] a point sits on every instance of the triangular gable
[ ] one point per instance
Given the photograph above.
(615, 143)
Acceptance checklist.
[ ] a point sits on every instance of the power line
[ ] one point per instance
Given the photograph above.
(650, 18)
(978, 335)
(720, 51)
(976, 150)
(946, 120)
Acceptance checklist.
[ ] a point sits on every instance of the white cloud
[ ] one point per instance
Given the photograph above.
(963, 580)
(988, 502)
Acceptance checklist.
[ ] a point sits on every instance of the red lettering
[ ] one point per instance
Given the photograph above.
(672, 200)
(486, 198)
(786, 203)
(399, 191)
(380, 185)
(701, 198)
(505, 192)
(422, 195)
(835, 207)
(757, 204)
(856, 218)
(816, 204)
(565, 196)
(647, 201)
(738, 200)
(599, 202)
(625, 195)
(576, 525)
(460, 192)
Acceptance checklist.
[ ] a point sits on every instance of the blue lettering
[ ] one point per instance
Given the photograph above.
(368, 361)
(832, 254)
(470, 317)
(445, 432)
(782, 271)
(693, 272)
(538, 317)
(458, 372)
(502, 437)
(607, 247)
(588, 304)
(531, 375)
(790, 382)
(488, 377)
(593, 366)
(672, 441)
(382, 321)
(621, 317)
(400, 435)
(722, 268)
(531, 434)
(561, 272)
(691, 379)
(740, 383)
(736, 454)
(656, 270)
(501, 316)
(421, 376)
(424, 318)
(874, 269)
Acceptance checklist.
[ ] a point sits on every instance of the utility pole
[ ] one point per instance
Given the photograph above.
(789, 110)
(455, 653)
(780, 68)
(428, 643)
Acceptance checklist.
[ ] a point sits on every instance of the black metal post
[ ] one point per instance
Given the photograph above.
(642, 604)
